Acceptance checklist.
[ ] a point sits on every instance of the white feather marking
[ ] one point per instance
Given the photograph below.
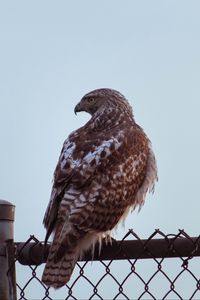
(105, 146)
(69, 196)
(76, 162)
(69, 148)
(95, 194)
(90, 240)
(73, 191)
(82, 198)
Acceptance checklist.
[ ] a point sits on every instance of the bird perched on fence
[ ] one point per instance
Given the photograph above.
(105, 168)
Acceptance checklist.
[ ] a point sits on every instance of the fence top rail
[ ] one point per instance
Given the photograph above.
(34, 252)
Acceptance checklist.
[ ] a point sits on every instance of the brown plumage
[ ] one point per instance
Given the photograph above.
(105, 168)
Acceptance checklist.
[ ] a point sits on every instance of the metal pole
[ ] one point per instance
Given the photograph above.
(7, 211)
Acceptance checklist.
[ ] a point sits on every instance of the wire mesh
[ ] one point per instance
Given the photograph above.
(135, 277)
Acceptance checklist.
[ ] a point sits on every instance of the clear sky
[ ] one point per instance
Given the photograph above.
(53, 52)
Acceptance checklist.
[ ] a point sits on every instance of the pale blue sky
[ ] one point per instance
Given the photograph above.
(53, 52)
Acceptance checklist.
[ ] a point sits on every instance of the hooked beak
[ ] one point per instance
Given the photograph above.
(77, 108)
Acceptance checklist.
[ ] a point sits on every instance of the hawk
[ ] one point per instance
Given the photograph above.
(105, 169)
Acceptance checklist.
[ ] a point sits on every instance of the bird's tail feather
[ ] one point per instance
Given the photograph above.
(56, 274)
(63, 255)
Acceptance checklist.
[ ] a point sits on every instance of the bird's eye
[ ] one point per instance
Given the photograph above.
(90, 99)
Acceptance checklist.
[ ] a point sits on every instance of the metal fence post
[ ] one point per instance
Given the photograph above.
(7, 210)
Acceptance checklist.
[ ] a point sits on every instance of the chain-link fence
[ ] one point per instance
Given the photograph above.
(164, 266)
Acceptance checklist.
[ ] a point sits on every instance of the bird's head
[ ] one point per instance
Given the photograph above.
(100, 98)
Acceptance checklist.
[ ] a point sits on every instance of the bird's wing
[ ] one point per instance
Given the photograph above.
(74, 171)
(61, 179)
